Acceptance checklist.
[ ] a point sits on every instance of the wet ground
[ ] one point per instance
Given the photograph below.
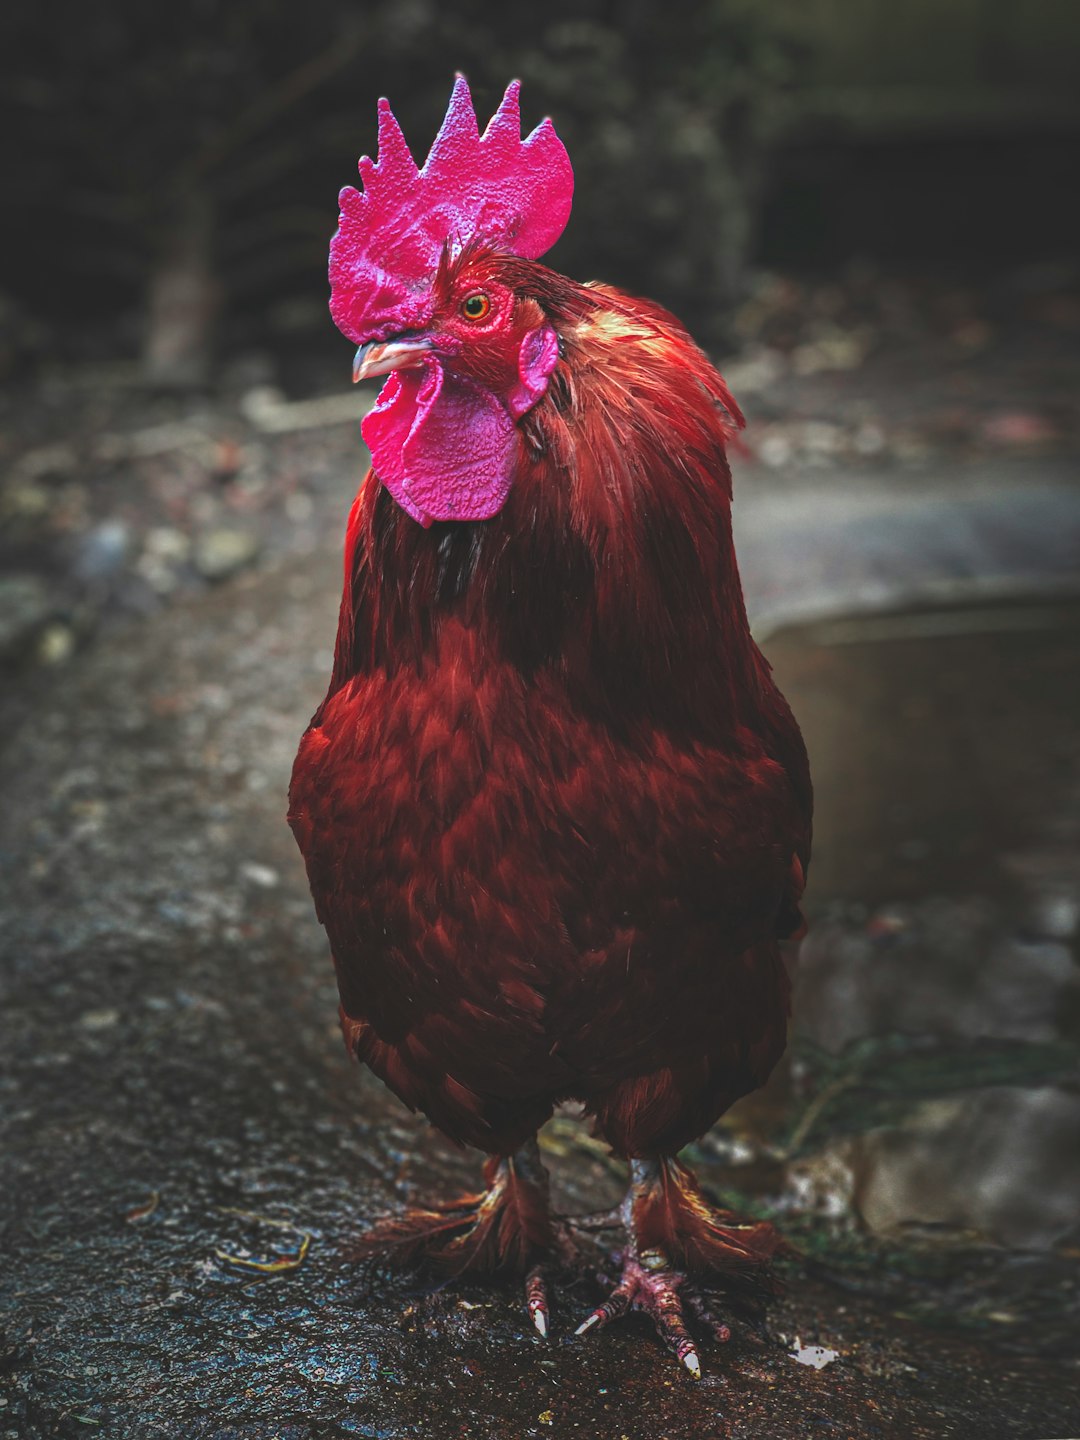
(170, 1055)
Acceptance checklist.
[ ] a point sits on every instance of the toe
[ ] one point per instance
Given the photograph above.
(704, 1312)
(617, 1303)
(536, 1300)
(660, 1298)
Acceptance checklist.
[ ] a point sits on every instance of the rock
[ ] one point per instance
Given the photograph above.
(775, 450)
(166, 543)
(100, 1019)
(940, 967)
(56, 644)
(222, 552)
(26, 502)
(966, 1162)
(264, 876)
(102, 551)
(165, 551)
(831, 349)
(25, 606)
(754, 371)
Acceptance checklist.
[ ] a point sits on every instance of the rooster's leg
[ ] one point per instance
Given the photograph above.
(673, 1235)
(508, 1229)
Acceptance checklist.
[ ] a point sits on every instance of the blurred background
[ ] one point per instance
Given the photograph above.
(194, 153)
(869, 214)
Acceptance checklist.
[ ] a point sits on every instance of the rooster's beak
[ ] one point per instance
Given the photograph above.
(379, 357)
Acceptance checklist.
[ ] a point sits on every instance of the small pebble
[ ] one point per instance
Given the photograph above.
(100, 1019)
(262, 875)
(56, 644)
(223, 552)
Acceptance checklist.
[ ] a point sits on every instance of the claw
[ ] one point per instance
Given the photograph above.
(536, 1301)
(651, 1285)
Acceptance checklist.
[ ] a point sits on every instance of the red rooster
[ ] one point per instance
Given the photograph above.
(555, 813)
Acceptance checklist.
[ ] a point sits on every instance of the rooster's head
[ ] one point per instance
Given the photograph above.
(428, 274)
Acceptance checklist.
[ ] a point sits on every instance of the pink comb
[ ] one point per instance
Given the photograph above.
(511, 193)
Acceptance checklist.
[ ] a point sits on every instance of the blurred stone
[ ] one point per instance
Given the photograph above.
(754, 371)
(164, 552)
(1056, 916)
(822, 438)
(968, 1163)
(1050, 878)
(57, 644)
(102, 551)
(822, 1184)
(26, 501)
(939, 967)
(166, 543)
(222, 552)
(831, 349)
(25, 606)
(267, 409)
(264, 876)
(100, 1019)
(262, 402)
(775, 450)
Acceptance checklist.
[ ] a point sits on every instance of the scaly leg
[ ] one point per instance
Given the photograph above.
(673, 1233)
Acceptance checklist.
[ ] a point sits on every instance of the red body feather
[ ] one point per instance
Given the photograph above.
(555, 812)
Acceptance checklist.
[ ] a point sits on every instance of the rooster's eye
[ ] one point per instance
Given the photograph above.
(476, 306)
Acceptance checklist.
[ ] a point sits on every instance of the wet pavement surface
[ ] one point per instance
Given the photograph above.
(169, 1053)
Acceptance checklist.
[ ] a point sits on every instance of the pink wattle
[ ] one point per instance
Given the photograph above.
(442, 446)
(445, 447)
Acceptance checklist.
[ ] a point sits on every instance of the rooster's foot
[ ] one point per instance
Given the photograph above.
(651, 1285)
(506, 1229)
(674, 1236)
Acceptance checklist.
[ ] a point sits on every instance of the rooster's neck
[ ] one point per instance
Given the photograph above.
(612, 562)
